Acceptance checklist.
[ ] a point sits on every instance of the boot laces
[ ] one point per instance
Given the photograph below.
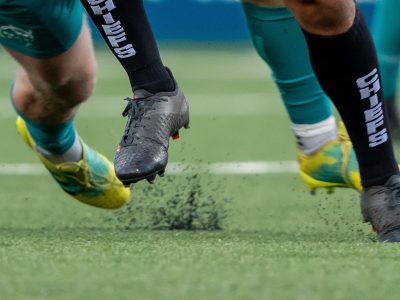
(136, 110)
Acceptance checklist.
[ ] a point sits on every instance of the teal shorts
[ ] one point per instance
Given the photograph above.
(40, 28)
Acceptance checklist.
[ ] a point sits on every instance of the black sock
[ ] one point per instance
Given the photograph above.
(124, 26)
(347, 69)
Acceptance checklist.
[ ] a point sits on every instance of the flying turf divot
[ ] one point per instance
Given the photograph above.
(175, 203)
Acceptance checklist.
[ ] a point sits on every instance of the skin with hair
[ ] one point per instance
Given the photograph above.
(50, 90)
(322, 17)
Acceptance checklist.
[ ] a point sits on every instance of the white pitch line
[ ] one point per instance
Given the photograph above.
(253, 167)
(175, 168)
(22, 169)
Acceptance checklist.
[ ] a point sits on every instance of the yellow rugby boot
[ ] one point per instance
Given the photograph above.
(333, 165)
(91, 180)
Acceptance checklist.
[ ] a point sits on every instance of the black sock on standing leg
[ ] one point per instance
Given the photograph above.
(347, 69)
(126, 29)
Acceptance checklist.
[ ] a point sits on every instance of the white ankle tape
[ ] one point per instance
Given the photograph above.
(311, 137)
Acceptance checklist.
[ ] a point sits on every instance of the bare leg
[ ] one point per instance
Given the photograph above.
(323, 17)
(50, 90)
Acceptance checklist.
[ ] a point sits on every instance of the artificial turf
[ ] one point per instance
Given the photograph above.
(276, 241)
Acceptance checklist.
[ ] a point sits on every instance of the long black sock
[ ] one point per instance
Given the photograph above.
(347, 69)
(124, 26)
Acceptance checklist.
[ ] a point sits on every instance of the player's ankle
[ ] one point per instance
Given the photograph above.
(154, 78)
(57, 142)
(73, 154)
(312, 137)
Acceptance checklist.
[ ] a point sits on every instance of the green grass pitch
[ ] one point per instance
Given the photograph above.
(277, 242)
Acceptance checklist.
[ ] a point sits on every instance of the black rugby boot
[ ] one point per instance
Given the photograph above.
(380, 205)
(152, 120)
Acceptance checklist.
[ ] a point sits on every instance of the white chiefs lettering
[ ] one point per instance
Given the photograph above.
(112, 29)
(369, 86)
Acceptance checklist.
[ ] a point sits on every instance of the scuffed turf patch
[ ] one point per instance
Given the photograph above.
(192, 202)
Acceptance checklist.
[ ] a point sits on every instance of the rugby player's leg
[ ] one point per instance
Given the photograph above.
(126, 30)
(275, 33)
(47, 93)
(344, 60)
(158, 109)
(325, 159)
(387, 39)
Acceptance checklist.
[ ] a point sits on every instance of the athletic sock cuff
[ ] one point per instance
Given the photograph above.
(55, 138)
(266, 13)
(310, 130)
(153, 77)
(381, 171)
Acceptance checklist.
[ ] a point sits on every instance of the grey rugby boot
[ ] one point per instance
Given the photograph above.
(380, 205)
(152, 120)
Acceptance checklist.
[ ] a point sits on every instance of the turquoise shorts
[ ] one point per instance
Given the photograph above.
(40, 28)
